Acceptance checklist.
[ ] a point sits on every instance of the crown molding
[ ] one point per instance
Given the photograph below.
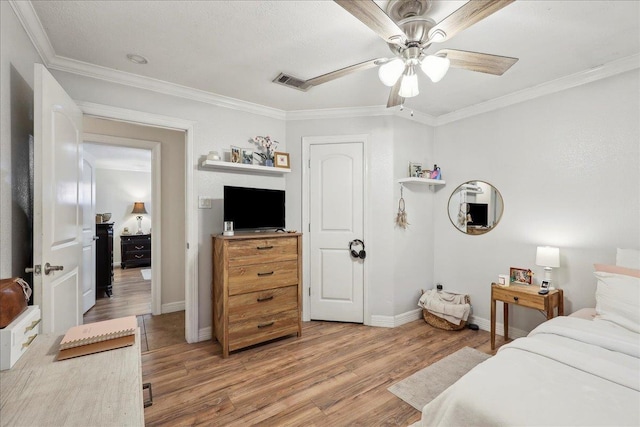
(372, 111)
(32, 25)
(159, 86)
(573, 80)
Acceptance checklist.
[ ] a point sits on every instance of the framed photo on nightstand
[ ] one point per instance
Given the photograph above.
(520, 276)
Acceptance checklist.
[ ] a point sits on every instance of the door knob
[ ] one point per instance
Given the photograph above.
(48, 268)
(95, 237)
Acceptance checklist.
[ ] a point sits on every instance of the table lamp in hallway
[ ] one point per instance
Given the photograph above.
(139, 209)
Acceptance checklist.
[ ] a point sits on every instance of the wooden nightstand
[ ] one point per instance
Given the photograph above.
(525, 296)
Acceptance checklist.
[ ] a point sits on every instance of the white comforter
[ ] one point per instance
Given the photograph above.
(567, 372)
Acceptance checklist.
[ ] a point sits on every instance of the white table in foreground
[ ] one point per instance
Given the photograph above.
(101, 389)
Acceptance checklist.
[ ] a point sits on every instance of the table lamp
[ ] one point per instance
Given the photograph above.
(548, 258)
(138, 208)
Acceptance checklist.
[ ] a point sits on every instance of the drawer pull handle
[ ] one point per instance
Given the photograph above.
(265, 325)
(29, 341)
(266, 274)
(262, 248)
(33, 325)
(139, 256)
(516, 299)
(263, 299)
(139, 247)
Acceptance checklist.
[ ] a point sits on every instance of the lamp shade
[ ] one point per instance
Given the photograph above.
(390, 72)
(409, 86)
(435, 67)
(547, 256)
(138, 208)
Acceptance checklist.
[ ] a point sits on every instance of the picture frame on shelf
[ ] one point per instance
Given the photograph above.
(236, 154)
(520, 276)
(281, 160)
(247, 156)
(415, 170)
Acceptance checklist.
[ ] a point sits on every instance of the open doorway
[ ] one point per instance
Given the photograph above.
(130, 178)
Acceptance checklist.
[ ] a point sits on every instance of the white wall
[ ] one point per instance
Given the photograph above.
(567, 167)
(399, 262)
(215, 128)
(116, 190)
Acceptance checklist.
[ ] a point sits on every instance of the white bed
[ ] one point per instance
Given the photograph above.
(582, 370)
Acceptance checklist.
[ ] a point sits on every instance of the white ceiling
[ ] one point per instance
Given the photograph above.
(236, 48)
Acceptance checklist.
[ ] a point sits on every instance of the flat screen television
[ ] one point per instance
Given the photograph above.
(479, 214)
(254, 208)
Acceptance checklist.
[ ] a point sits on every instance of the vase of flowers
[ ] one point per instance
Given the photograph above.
(267, 145)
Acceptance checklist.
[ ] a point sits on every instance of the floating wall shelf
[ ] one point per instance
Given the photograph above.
(424, 181)
(241, 167)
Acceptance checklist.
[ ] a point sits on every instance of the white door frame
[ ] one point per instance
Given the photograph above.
(156, 206)
(307, 141)
(191, 230)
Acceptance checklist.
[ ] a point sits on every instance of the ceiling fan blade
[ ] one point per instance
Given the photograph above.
(304, 85)
(472, 12)
(370, 14)
(344, 71)
(481, 62)
(394, 97)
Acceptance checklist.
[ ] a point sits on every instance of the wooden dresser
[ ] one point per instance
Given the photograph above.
(104, 259)
(135, 250)
(257, 288)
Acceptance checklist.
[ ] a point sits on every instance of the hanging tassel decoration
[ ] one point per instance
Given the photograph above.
(401, 218)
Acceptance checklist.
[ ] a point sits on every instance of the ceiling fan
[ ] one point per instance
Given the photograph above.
(409, 34)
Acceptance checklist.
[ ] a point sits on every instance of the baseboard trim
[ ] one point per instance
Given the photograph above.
(397, 320)
(485, 325)
(172, 306)
(204, 334)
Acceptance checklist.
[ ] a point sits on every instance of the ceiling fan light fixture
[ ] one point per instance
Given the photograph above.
(390, 72)
(435, 67)
(409, 86)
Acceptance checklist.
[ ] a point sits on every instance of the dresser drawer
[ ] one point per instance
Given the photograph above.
(257, 304)
(136, 255)
(138, 239)
(143, 245)
(252, 251)
(18, 335)
(526, 300)
(262, 328)
(259, 277)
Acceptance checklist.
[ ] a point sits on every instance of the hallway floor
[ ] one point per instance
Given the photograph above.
(132, 297)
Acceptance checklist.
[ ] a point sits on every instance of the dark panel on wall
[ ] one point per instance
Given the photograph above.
(21, 175)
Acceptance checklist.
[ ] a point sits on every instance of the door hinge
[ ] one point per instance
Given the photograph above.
(309, 290)
(309, 163)
(187, 245)
(309, 227)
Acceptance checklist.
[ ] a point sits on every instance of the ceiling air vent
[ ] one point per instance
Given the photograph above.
(290, 81)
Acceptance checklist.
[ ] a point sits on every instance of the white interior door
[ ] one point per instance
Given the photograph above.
(88, 200)
(336, 218)
(57, 225)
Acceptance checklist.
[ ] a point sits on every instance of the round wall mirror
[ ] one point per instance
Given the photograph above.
(475, 207)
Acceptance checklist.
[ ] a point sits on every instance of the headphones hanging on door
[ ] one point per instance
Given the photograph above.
(357, 254)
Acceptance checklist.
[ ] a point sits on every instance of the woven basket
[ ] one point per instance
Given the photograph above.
(440, 323)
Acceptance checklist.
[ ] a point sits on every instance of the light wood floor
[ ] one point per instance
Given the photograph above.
(132, 297)
(336, 374)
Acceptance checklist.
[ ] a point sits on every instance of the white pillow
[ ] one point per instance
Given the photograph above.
(618, 300)
(629, 258)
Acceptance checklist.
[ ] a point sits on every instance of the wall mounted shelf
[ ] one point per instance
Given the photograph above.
(432, 183)
(241, 167)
